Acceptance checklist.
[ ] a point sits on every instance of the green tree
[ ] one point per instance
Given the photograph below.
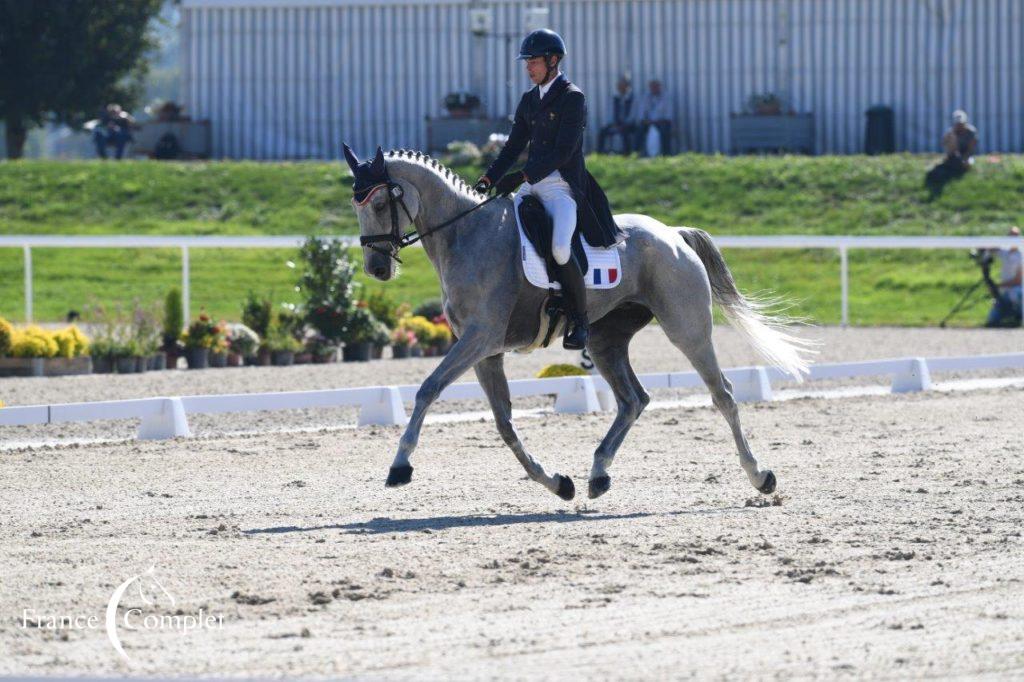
(64, 60)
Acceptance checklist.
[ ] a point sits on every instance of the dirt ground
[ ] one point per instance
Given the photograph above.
(892, 547)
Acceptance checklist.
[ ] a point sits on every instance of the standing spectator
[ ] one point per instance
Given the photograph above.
(653, 111)
(114, 127)
(1006, 307)
(622, 119)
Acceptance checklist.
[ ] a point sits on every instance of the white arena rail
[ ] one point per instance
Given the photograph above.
(167, 417)
(843, 244)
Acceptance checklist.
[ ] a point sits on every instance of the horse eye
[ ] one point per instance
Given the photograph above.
(378, 207)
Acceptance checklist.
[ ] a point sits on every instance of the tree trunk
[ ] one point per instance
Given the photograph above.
(16, 134)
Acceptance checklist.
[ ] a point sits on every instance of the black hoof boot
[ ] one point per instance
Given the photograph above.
(599, 486)
(768, 487)
(566, 488)
(399, 476)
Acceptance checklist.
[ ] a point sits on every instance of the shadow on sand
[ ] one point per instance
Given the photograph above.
(437, 523)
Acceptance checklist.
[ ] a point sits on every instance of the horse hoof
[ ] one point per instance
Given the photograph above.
(599, 486)
(566, 488)
(398, 476)
(768, 487)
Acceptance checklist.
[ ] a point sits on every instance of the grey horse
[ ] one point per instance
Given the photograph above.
(674, 274)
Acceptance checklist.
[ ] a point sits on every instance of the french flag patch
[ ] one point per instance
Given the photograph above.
(605, 275)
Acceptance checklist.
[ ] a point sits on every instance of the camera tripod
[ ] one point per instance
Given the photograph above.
(962, 303)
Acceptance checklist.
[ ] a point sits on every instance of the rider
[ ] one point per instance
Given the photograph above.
(551, 118)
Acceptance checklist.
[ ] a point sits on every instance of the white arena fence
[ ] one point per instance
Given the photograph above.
(842, 244)
(168, 417)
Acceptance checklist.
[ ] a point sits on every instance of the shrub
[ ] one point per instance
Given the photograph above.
(174, 319)
(6, 336)
(33, 342)
(71, 342)
(429, 309)
(327, 285)
(257, 313)
(279, 338)
(561, 370)
(242, 340)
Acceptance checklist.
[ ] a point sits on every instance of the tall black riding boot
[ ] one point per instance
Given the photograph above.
(574, 292)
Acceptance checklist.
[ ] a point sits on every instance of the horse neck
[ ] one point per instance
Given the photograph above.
(440, 201)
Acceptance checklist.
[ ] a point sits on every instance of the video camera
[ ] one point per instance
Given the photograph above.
(983, 257)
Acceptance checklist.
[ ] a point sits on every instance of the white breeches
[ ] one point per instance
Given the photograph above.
(556, 195)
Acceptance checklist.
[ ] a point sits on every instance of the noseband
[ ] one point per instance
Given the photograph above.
(395, 238)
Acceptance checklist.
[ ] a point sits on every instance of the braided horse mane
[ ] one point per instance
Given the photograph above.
(451, 177)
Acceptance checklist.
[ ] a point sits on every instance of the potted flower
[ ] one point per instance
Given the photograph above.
(461, 104)
(765, 104)
(102, 352)
(402, 341)
(321, 349)
(441, 338)
(198, 339)
(242, 343)
(125, 354)
(219, 349)
(360, 335)
(422, 329)
(282, 345)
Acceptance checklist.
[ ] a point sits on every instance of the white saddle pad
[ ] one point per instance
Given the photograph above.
(605, 269)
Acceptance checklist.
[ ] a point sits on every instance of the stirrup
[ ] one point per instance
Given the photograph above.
(577, 335)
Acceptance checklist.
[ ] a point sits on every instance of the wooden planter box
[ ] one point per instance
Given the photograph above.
(773, 134)
(44, 367)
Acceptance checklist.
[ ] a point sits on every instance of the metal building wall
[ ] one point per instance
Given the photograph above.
(284, 79)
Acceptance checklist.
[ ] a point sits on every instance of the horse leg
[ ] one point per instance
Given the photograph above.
(695, 342)
(466, 352)
(490, 373)
(609, 349)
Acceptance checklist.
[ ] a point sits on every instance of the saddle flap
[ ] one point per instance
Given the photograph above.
(539, 229)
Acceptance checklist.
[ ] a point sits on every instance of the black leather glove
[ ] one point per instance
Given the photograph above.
(508, 184)
(483, 185)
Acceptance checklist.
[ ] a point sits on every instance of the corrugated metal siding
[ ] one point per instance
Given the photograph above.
(292, 80)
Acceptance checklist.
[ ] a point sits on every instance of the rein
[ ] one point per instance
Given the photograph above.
(395, 237)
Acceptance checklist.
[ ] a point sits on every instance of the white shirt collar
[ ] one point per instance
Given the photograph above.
(544, 88)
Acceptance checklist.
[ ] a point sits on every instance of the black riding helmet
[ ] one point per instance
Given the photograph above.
(541, 43)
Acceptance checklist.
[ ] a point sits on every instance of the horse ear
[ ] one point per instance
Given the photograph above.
(377, 167)
(351, 157)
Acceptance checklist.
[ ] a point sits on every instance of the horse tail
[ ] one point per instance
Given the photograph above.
(752, 316)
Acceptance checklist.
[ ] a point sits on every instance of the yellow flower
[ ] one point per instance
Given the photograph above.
(34, 342)
(561, 370)
(6, 336)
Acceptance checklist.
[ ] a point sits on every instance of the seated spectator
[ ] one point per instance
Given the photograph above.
(653, 111)
(1006, 307)
(622, 121)
(114, 127)
(959, 143)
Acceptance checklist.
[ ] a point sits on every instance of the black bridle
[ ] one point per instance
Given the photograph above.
(395, 238)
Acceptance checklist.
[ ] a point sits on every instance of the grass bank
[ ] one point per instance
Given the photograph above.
(725, 195)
